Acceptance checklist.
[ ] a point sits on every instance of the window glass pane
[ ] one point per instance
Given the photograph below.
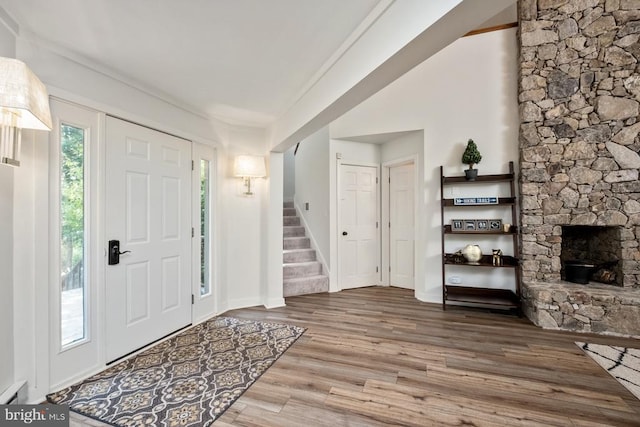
(205, 250)
(72, 234)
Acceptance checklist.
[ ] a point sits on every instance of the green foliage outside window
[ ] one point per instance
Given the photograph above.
(72, 197)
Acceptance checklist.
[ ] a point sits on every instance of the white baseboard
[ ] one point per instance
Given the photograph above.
(274, 303)
(19, 389)
(243, 303)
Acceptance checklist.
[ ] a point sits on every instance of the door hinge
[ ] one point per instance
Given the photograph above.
(389, 269)
(376, 224)
(389, 224)
(193, 165)
(389, 180)
(193, 232)
(376, 269)
(376, 180)
(193, 299)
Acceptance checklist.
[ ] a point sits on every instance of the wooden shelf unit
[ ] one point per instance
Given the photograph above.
(485, 297)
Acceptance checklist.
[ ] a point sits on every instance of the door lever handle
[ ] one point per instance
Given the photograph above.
(344, 233)
(114, 252)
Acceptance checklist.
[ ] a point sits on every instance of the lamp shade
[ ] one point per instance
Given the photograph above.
(249, 166)
(23, 95)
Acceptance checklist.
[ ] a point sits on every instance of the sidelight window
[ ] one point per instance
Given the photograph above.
(73, 247)
(205, 245)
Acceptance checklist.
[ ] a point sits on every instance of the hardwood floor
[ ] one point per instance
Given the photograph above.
(378, 357)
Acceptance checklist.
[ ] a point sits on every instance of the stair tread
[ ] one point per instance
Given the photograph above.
(286, 264)
(289, 251)
(305, 278)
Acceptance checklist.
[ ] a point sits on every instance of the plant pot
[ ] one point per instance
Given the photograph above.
(471, 174)
(578, 271)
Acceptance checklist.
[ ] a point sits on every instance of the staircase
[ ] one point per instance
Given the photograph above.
(302, 273)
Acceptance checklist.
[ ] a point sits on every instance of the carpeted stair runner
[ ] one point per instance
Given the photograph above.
(302, 273)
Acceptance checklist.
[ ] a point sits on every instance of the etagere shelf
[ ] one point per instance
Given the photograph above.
(487, 297)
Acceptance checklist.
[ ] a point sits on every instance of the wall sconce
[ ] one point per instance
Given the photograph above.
(248, 167)
(24, 104)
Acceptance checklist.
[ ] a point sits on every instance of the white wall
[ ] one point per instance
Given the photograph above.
(402, 147)
(73, 81)
(242, 224)
(397, 36)
(6, 282)
(467, 90)
(289, 174)
(7, 49)
(312, 186)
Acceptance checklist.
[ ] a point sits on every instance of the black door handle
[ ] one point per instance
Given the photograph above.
(344, 233)
(114, 252)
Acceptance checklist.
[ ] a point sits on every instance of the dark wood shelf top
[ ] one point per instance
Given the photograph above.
(499, 298)
(480, 179)
(486, 261)
(447, 230)
(502, 201)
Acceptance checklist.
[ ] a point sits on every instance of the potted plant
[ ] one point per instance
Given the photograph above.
(470, 157)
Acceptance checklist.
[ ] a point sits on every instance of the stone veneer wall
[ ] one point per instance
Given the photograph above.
(579, 108)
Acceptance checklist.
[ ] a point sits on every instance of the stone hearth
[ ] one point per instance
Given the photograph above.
(579, 99)
(591, 308)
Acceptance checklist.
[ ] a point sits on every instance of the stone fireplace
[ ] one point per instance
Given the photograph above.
(579, 96)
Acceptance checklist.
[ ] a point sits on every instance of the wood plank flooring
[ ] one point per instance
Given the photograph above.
(378, 357)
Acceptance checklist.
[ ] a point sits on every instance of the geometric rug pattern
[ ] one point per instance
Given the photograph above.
(187, 380)
(621, 362)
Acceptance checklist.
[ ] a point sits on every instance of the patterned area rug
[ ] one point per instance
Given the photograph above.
(188, 380)
(621, 362)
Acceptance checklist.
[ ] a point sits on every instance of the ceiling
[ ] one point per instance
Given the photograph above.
(243, 61)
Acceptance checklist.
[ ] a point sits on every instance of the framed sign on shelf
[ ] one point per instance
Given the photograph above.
(472, 201)
(489, 225)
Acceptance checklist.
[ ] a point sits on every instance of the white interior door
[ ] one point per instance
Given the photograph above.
(401, 230)
(148, 209)
(358, 233)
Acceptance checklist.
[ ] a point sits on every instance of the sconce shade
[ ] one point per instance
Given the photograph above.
(249, 166)
(24, 102)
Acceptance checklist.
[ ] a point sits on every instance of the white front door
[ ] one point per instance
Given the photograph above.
(401, 226)
(358, 233)
(148, 209)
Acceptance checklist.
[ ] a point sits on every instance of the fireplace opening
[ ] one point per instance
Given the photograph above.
(591, 253)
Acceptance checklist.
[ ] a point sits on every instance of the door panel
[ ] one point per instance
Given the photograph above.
(401, 217)
(138, 292)
(359, 248)
(137, 212)
(148, 294)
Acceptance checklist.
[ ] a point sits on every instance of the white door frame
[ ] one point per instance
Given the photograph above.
(385, 200)
(339, 165)
(86, 356)
(206, 305)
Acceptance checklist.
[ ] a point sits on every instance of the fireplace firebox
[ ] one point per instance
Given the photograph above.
(591, 253)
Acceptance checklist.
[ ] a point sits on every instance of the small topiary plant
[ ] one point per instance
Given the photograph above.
(471, 155)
